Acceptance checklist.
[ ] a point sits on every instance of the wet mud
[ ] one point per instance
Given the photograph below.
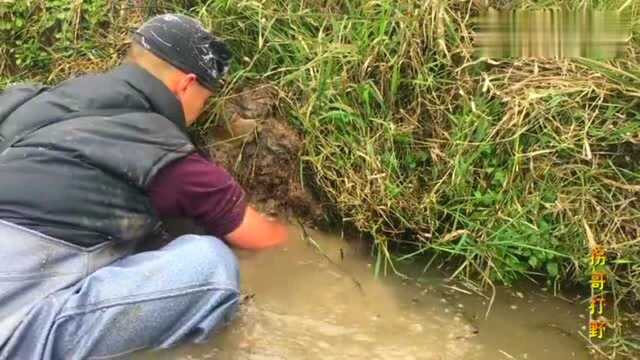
(263, 152)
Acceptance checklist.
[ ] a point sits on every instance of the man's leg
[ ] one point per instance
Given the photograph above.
(154, 299)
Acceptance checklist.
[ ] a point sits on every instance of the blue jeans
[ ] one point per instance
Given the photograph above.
(155, 299)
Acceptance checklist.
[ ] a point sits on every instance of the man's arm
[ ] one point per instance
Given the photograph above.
(196, 188)
(257, 231)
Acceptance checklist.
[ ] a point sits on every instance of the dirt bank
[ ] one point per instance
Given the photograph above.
(263, 152)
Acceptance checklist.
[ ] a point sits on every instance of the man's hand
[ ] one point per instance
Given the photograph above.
(257, 232)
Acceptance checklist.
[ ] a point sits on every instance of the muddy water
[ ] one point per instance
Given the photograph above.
(307, 304)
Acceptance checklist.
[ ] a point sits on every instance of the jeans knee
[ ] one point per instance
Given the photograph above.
(211, 259)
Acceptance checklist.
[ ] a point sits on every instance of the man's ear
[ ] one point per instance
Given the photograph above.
(185, 82)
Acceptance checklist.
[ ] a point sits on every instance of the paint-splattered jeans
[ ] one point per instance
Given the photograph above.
(58, 301)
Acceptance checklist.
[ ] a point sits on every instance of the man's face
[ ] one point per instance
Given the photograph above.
(191, 95)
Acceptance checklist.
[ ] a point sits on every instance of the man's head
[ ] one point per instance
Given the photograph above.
(184, 56)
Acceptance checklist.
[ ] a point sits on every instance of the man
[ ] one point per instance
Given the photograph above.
(87, 168)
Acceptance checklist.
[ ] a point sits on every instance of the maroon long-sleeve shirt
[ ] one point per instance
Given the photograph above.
(200, 189)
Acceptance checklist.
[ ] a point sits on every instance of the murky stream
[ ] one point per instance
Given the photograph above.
(305, 306)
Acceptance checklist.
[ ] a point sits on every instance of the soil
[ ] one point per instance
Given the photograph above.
(263, 152)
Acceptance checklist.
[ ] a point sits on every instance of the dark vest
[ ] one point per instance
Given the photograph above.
(85, 154)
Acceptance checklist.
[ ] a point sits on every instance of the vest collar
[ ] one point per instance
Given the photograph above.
(161, 100)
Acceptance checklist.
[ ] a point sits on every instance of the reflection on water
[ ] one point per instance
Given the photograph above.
(303, 306)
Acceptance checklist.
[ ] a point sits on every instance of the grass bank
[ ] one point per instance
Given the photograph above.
(503, 170)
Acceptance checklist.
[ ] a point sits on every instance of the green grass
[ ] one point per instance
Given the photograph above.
(501, 170)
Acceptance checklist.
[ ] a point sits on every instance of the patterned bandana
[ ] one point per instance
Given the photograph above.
(184, 43)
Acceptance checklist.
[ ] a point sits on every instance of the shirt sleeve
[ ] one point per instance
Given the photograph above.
(197, 188)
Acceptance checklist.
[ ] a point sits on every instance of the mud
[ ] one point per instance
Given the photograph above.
(259, 147)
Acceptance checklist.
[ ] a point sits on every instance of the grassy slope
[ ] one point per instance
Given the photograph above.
(504, 170)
